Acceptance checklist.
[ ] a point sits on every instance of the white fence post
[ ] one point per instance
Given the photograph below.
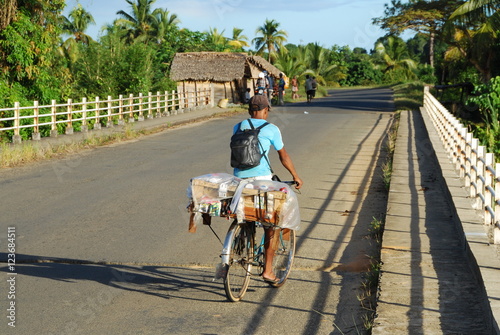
(488, 184)
(158, 111)
(17, 122)
(496, 227)
(473, 172)
(53, 112)
(110, 124)
(480, 178)
(69, 118)
(165, 111)
(141, 110)
(85, 126)
(121, 120)
(36, 121)
(467, 166)
(131, 108)
(97, 123)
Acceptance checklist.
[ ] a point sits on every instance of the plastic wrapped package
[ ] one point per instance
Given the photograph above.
(267, 201)
(222, 194)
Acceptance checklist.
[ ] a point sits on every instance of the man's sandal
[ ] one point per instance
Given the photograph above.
(276, 280)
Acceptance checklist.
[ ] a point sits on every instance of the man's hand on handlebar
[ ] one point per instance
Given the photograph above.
(298, 182)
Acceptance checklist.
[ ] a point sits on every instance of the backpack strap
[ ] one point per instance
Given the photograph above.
(260, 144)
(259, 127)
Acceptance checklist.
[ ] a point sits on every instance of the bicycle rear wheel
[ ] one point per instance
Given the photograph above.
(240, 261)
(283, 256)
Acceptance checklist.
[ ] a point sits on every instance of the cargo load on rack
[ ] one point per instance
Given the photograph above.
(222, 194)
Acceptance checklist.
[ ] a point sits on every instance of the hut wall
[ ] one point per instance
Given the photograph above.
(233, 91)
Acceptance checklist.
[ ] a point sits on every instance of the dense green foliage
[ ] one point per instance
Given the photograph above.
(488, 100)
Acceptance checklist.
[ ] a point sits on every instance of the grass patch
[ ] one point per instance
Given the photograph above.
(390, 147)
(367, 293)
(31, 151)
(408, 96)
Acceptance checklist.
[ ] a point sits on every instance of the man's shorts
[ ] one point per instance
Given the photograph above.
(312, 93)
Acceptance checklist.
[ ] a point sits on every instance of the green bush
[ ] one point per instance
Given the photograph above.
(488, 100)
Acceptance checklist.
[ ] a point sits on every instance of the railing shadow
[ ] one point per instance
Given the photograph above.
(356, 228)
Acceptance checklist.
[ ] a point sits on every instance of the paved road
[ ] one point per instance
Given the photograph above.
(102, 244)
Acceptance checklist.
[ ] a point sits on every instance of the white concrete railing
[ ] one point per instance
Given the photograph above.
(478, 170)
(94, 113)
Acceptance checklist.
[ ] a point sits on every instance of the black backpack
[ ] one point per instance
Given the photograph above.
(245, 147)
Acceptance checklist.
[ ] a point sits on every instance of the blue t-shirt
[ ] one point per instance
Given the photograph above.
(269, 135)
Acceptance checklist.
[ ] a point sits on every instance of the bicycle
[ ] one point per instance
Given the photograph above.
(240, 253)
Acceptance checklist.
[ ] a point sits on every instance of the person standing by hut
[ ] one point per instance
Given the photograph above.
(281, 89)
(295, 88)
(270, 87)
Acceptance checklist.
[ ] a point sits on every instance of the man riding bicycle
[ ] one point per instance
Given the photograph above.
(269, 135)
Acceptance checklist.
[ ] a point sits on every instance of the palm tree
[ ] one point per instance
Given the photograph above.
(78, 21)
(288, 63)
(163, 22)
(238, 41)
(394, 56)
(271, 40)
(319, 65)
(474, 28)
(217, 40)
(138, 23)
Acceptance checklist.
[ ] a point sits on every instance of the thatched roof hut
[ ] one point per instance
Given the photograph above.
(231, 72)
(218, 66)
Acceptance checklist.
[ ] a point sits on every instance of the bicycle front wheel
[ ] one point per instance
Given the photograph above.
(283, 256)
(240, 262)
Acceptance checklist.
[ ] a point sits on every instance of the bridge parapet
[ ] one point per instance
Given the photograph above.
(476, 168)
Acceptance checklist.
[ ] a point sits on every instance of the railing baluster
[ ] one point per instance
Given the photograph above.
(131, 108)
(496, 228)
(168, 103)
(36, 121)
(110, 124)
(97, 123)
(141, 108)
(69, 117)
(121, 120)
(53, 111)
(488, 184)
(472, 162)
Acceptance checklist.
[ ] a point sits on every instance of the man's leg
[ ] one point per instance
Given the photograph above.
(269, 247)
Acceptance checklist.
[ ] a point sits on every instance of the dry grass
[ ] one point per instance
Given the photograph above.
(32, 151)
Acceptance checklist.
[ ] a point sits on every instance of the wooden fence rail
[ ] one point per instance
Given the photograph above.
(56, 118)
(476, 167)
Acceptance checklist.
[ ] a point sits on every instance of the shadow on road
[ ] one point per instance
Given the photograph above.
(162, 281)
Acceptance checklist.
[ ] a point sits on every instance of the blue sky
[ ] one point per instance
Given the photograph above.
(327, 22)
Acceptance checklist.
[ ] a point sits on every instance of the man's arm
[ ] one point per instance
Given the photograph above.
(288, 164)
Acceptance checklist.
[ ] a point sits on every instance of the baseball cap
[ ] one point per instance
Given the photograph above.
(257, 103)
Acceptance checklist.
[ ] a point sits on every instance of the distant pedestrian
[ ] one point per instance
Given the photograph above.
(295, 88)
(247, 95)
(281, 89)
(310, 91)
(262, 84)
(270, 86)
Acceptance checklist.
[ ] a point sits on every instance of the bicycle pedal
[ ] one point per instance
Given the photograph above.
(220, 271)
